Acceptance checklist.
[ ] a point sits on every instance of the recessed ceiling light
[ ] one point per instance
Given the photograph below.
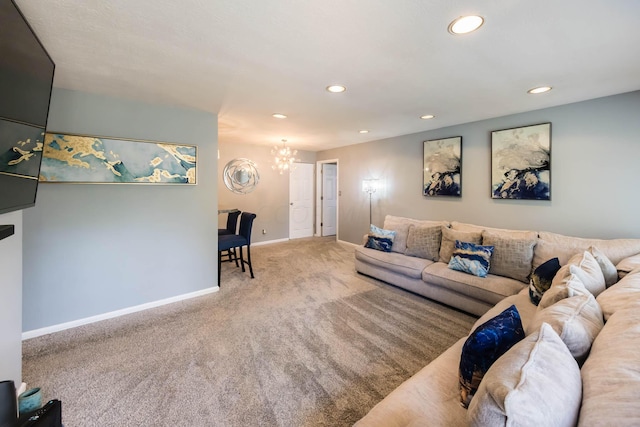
(540, 89)
(336, 88)
(427, 116)
(363, 131)
(466, 24)
(279, 116)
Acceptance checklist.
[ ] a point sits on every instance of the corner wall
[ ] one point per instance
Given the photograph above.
(595, 148)
(91, 249)
(11, 301)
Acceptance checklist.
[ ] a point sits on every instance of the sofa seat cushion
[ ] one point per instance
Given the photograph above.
(564, 247)
(395, 262)
(611, 374)
(490, 289)
(521, 300)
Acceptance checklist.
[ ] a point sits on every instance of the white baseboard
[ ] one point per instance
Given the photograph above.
(344, 242)
(75, 323)
(268, 242)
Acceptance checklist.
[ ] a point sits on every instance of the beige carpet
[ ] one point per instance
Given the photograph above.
(308, 342)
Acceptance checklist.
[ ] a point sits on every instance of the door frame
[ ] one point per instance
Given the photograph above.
(319, 163)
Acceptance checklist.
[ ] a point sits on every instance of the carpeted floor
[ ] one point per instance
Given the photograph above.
(308, 342)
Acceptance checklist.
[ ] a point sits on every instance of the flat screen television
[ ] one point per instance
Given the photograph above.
(26, 79)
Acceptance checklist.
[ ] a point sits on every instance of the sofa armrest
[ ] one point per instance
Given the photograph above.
(628, 264)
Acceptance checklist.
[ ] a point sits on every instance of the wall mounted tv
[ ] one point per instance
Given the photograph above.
(26, 79)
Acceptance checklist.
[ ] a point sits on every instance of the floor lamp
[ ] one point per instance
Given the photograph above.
(369, 186)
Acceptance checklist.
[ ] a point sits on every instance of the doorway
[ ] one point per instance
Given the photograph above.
(327, 196)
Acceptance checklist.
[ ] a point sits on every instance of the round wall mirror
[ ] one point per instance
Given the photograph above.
(241, 176)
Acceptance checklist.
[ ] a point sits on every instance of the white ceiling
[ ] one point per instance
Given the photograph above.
(247, 59)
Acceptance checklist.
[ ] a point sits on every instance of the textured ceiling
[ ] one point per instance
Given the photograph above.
(247, 59)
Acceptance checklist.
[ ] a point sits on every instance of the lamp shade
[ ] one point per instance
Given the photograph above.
(369, 185)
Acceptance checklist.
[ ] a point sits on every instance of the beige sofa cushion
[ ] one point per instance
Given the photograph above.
(512, 255)
(424, 242)
(552, 245)
(627, 265)
(401, 225)
(622, 295)
(490, 289)
(536, 383)
(577, 320)
(570, 286)
(449, 238)
(611, 374)
(397, 263)
(522, 302)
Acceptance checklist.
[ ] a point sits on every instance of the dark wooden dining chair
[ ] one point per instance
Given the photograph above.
(236, 242)
(232, 227)
(232, 224)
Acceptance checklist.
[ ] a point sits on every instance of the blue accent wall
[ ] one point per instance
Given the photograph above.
(91, 249)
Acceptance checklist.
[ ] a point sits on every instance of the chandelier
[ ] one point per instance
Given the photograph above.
(284, 157)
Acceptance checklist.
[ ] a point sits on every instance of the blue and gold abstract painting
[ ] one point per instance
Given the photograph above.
(89, 159)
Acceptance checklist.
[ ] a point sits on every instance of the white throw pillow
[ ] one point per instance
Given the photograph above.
(577, 320)
(570, 286)
(608, 269)
(585, 266)
(536, 383)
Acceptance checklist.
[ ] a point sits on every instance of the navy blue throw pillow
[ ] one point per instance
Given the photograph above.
(484, 346)
(541, 279)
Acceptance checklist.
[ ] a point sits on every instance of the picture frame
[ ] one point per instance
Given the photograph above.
(442, 167)
(521, 163)
(86, 159)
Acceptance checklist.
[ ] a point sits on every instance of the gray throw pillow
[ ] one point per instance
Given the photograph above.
(424, 242)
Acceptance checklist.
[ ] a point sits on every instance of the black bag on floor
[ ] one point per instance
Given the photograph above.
(50, 415)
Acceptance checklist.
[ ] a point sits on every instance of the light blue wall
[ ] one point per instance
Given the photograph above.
(11, 301)
(93, 249)
(595, 147)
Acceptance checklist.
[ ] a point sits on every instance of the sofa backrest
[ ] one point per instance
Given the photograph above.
(552, 245)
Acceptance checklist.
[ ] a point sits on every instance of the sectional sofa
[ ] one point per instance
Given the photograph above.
(516, 254)
(577, 364)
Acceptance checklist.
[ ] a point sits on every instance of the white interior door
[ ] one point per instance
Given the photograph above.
(329, 198)
(301, 201)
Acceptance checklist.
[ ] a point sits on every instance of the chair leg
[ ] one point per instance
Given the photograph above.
(249, 261)
(219, 266)
(235, 256)
(242, 262)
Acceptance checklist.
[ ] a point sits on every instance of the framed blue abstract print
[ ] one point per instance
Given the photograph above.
(521, 163)
(442, 167)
